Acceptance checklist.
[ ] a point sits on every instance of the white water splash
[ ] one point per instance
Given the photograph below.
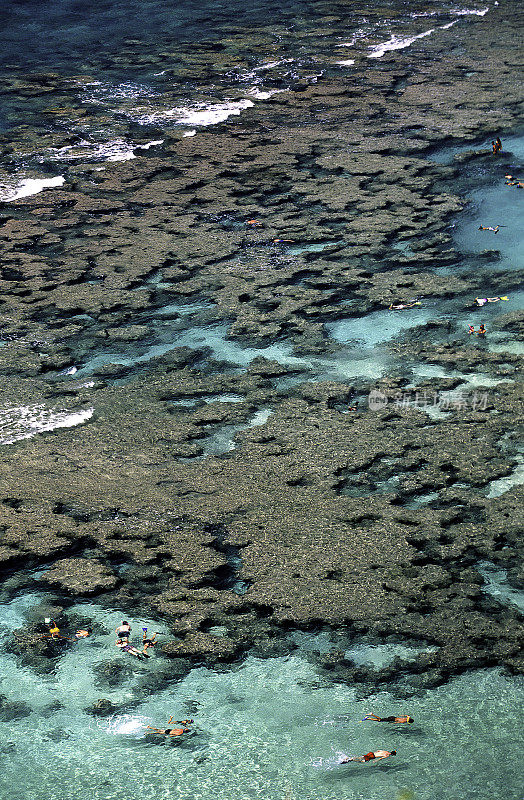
(348, 63)
(29, 187)
(466, 12)
(264, 94)
(208, 115)
(397, 43)
(23, 422)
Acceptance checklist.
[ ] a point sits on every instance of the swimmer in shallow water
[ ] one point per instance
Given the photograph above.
(148, 641)
(375, 718)
(495, 228)
(83, 633)
(124, 645)
(124, 630)
(167, 731)
(376, 755)
(400, 305)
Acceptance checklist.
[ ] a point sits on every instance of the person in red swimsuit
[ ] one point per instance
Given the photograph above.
(172, 731)
(378, 754)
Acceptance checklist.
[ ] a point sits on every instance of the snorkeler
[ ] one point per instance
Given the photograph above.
(482, 330)
(400, 305)
(54, 630)
(124, 645)
(148, 641)
(495, 228)
(124, 630)
(83, 633)
(377, 754)
(471, 329)
(374, 718)
(172, 731)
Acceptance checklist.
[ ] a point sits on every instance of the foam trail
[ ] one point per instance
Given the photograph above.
(348, 63)
(396, 43)
(33, 186)
(126, 725)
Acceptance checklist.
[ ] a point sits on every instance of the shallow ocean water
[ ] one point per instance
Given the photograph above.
(269, 728)
(494, 203)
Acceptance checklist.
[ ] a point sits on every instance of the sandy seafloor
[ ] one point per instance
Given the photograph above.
(213, 424)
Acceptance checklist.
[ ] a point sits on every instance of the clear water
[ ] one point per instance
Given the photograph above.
(497, 585)
(515, 478)
(494, 203)
(268, 728)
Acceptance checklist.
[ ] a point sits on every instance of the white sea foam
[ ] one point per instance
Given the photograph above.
(264, 94)
(23, 422)
(29, 187)
(189, 133)
(397, 43)
(114, 150)
(348, 63)
(126, 725)
(272, 64)
(125, 155)
(209, 115)
(149, 144)
(448, 25)
(465, 12)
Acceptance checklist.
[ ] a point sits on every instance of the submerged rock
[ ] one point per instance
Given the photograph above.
(80, 576)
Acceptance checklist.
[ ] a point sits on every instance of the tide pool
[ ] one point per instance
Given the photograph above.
(495, 203)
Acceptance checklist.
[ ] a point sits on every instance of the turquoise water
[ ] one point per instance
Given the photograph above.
(493, 203)
(270, 728)
(497, 585)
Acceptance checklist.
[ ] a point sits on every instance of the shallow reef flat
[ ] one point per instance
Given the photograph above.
(215, 455)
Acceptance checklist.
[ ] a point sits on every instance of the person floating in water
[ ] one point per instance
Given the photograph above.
(481, 301)
(83, 633)
(471, 329)
(495, 228)
(124, 630)
(482, 330)
(375, 718)
(167, 731)
(496, 146)
(377, 755)
(148, 642)
(255, 223)
(54, 630)
(400, 305)
(124, 645)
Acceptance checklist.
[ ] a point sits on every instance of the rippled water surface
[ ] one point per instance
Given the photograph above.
(269, 728)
